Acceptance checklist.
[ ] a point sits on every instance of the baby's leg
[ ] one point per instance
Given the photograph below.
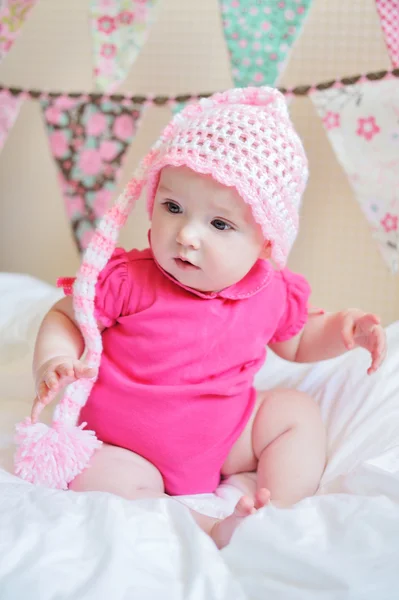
(126, 474)
(120, 472)
(285, 441)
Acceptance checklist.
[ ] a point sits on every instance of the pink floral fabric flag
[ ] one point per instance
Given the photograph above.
(260, 35)
(389, 16)
(362, 123)
(12, 16)
(119, 30)
(88, 140)
(10, 105)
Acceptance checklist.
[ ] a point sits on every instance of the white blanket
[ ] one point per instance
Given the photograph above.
(341, 544)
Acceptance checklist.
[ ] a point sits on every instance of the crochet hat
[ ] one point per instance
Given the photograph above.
(243, 138)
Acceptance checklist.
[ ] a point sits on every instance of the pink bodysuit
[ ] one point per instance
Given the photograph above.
(175, 381)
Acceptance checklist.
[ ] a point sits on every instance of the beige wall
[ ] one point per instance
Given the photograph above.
(186, 53)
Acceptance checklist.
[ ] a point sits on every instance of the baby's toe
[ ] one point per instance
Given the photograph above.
(262, 497)
(244, 507)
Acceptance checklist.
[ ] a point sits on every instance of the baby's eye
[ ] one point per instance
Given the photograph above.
(172, 207)
(221, 225)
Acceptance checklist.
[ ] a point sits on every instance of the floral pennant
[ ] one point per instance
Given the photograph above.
(362, 122)
(389, 16)
(12, 16)
(259, 37)
(10, 105)
(119, 30)
(88, 140)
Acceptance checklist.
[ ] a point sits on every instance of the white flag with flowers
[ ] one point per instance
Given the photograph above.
(362, 123)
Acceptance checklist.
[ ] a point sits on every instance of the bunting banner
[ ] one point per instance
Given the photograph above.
(13, 13)
(260, 36)
(164, 99)
(388, 11)
(119, 30)
(10, 106)
(89, 134)
(362, 123)
(88, 140)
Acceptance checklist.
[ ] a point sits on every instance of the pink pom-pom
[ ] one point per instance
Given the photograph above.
(52, 456)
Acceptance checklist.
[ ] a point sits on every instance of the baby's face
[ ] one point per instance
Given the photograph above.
(203, 233)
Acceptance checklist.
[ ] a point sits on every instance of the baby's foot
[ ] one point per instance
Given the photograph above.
(223, 530)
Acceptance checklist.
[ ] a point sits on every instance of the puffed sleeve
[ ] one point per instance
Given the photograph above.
(295, 298)
(112, 289)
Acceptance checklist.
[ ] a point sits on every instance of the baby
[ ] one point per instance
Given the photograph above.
(161, 346)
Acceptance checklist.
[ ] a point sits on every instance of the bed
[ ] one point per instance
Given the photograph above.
(342, 543)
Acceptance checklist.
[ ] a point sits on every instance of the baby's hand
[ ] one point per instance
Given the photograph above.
(365, 330)
(55, 374)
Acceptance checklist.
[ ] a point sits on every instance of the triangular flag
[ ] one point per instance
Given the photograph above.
(177, 107)
(389, 16)
(119, 30)
(12, 16)
(260, 36)
(10, 105)
(88, 140)
(362, 123)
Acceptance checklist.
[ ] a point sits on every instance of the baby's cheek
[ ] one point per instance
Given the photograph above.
(225, 260)
(234, 268)
(244, 257)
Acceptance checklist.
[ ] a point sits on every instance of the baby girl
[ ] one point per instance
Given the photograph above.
(160, 346)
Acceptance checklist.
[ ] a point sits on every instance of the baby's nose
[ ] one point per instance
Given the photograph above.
(188, 237)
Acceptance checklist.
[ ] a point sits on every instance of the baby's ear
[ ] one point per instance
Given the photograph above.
(266, 251)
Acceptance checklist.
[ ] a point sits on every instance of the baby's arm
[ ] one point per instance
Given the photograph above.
(56, 360)
(328, 335)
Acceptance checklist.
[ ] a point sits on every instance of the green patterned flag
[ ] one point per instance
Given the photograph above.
(260, 35)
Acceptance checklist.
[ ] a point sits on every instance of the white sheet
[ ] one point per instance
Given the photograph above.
(343, 543)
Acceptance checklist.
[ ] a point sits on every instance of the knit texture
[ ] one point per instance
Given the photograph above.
(243, 138)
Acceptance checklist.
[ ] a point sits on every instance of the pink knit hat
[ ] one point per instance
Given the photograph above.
(243, 138)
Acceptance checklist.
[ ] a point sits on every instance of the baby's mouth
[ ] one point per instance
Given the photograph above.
(184, 264)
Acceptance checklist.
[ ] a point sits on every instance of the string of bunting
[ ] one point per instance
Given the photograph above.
(161, 100)
(90, 133)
